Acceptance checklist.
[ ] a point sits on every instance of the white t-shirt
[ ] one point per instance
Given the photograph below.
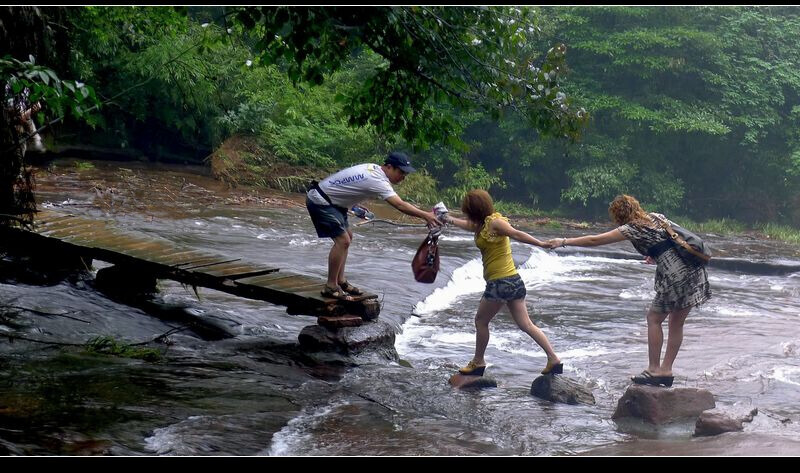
(352, 185)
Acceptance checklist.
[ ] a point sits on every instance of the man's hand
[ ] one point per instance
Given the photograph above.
(432, 220)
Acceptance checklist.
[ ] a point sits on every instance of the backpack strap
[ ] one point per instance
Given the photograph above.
(677, 238)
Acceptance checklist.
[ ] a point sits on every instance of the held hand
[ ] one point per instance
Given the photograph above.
(432, 220)
(649, 260)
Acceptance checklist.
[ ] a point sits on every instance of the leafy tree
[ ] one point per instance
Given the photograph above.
(73, 98)
(435, 58)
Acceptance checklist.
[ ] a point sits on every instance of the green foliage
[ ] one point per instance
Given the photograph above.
(435, 57)
(781, 232)
(304, 125)
(468, 178)
(83, 165)
(515, 209)
(419, 188)
(109, 346)
(60, 97)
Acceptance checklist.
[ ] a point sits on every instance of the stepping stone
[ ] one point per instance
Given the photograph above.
(462, 381)
(558, 388)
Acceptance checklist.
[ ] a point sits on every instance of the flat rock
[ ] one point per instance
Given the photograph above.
(557, 388)
(462, 381)
(375, 335)
(659, 405)
(718, 421)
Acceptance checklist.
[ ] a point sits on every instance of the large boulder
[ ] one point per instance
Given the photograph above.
(661, 405)
(374, 336)
(718, 421)
(557, 388)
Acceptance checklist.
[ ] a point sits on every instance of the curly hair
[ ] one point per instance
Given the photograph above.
(477, 205)
(626, 209)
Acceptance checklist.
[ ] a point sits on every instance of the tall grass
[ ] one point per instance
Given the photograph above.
(781, 232)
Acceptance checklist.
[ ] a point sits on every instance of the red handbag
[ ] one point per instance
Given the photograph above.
(426, 262)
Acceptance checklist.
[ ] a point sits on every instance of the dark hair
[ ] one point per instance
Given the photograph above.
(477, 205)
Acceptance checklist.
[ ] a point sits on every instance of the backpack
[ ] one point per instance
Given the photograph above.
(690, 247)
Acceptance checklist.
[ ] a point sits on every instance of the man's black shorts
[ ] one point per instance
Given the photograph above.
(330, 221)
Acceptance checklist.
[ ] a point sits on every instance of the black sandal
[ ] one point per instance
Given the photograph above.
(649, 379)
(350, 289)
(336, 293)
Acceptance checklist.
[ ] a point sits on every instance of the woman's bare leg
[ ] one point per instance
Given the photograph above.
(655, 340)
(674, 339)
(486, 312)
(519, 312)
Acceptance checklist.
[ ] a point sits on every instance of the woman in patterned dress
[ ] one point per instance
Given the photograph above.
(679, 284)
(503, 284)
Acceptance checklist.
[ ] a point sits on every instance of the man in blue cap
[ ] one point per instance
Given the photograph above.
(327, 202)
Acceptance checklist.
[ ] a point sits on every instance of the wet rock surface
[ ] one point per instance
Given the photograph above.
(658, 405)
(718, 421)
(461, 381)
(561, 389)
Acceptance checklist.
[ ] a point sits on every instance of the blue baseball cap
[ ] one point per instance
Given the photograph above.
(400, 161)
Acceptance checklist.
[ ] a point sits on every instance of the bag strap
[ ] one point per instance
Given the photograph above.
(677, 238)
(315, 185)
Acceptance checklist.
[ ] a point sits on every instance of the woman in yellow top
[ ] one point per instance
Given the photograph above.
(503, 284)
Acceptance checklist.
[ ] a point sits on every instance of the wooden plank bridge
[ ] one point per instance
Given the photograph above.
(139, 255)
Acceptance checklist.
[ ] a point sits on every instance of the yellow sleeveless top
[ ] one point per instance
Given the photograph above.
(495, 251)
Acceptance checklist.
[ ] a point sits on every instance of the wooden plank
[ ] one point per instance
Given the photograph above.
(258, 280)
(139, 249)
(181, 258)
(203, 260)
(230, 269)
(41, 221)
(238, 273)
(111, 240)
(71, 230)
(64, 224)
(161, 256)
(290, 284)
(191, 268)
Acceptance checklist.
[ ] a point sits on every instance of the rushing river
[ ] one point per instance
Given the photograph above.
(255, 394)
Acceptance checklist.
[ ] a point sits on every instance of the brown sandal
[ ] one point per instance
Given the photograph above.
(350, 289)
(336, 293)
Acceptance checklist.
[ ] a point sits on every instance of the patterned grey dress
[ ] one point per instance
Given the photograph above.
(679, 283)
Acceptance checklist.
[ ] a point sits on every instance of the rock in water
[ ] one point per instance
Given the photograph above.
(659, 405)
(718, 421)
(461, 381)
(557, 388)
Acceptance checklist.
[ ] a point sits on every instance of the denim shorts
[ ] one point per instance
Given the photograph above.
(505, 289)
(330, 221)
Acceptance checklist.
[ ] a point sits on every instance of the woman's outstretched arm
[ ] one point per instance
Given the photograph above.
(612, 236)
(503, 228)
(461, 223)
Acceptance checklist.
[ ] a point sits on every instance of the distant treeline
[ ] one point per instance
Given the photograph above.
(694, 110)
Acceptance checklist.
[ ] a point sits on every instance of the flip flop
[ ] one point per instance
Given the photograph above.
(647, 378)
(350, 289)
(336, 293)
